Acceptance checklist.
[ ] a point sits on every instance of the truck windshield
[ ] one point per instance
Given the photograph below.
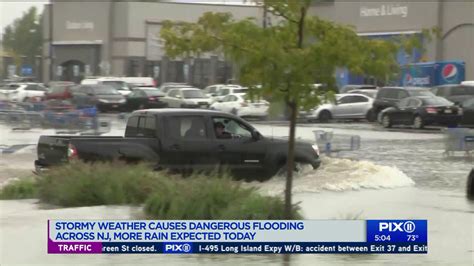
(192, 94)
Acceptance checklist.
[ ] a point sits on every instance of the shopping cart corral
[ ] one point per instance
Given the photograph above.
(331, 143)
(459, 141)
(65, 118)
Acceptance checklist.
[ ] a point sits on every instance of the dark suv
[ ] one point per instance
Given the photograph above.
(390, 96)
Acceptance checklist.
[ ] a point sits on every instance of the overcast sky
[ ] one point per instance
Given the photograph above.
(12, 9)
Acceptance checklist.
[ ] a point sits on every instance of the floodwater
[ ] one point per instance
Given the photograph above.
(399, 174)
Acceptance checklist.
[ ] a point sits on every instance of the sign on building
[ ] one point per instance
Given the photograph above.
(83, 25)
(26, 71)
(384, 10)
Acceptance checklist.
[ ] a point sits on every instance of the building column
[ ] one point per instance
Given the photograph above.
(164, 68)
(214, 68)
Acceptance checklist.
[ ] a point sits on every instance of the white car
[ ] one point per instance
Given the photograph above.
(239, 105)
(370, 93)
(186, 98)
(139, 81)
(120, 85)
(213, 90)
(23, 92)
(347, 106)
(226, 90)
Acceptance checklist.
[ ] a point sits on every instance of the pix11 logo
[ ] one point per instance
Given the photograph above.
(404, 227)
(177, 248)
(449, 72)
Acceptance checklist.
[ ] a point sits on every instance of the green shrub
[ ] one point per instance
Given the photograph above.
(83, 184)
(204, 197)
(25, 188)
(166, 196)
(257, 207)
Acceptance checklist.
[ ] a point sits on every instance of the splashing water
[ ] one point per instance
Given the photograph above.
(339, 175)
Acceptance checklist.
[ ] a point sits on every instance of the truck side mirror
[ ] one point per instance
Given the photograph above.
(255, 135)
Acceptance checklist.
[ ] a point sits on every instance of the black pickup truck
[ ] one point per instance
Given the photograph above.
(181, 139)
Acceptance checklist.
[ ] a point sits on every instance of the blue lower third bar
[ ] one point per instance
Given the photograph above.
(265, 247)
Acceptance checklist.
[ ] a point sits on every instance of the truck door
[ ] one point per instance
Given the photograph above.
(187, 142)
(235, 148)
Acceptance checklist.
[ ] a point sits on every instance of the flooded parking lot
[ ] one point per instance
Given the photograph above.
(395, 175)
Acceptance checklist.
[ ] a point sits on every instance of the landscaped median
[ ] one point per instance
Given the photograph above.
(163, 195)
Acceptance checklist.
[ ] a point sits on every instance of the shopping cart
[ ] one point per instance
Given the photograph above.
(459, 140)
(330, 143)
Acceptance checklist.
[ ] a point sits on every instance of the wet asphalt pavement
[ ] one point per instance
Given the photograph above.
(397, 173)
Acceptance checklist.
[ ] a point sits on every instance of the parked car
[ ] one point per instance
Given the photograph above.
(24, 92)
(370, 93)
(390, 96)
(104, 97)
(145, 97)
(60, 90)
(6, 89)
(116, 82)
(348, 88)
(213, 90)
(134, 82)
(165, 87)
(180, 139)
(187, 98)
(421, 111)
(347, 106)
(454, 93)
(468, 82)
(467, 112)
(228, 89)
(238, 104)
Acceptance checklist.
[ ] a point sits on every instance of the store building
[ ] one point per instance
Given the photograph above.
(378, 19)
(121, 38)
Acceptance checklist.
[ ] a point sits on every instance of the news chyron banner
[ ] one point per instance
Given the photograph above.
(261, 236)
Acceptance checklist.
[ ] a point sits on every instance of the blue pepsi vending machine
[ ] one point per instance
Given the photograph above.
(432, 73)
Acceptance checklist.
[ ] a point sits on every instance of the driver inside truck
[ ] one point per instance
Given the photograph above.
(220, 131)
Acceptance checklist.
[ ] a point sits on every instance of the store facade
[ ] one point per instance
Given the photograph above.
(122, 38)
